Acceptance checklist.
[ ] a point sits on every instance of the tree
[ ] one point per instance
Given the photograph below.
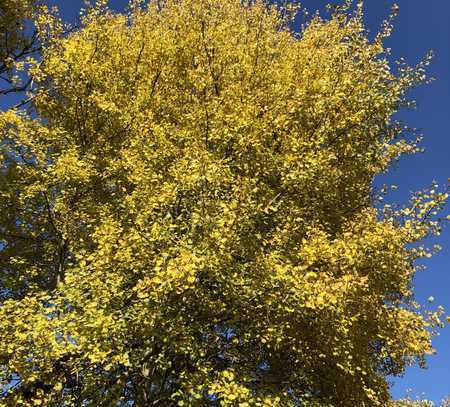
(194, 220)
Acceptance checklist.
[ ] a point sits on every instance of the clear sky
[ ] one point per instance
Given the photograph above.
(420, 26)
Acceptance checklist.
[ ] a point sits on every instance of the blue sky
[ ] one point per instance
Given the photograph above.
(420, 26)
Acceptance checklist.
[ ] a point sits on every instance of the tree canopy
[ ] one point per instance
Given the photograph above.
(189, 217)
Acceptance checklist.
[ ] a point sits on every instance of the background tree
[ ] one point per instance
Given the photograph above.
(194, 182)
(18, 40)
(408, 402)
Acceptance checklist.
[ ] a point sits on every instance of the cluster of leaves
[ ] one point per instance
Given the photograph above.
(16, 42)
(409, 402)
(24, 29)
(188, 215)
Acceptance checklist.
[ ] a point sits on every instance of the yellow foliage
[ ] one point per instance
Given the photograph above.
(188, 216)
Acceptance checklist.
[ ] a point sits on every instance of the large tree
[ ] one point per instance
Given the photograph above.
(190, 219)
